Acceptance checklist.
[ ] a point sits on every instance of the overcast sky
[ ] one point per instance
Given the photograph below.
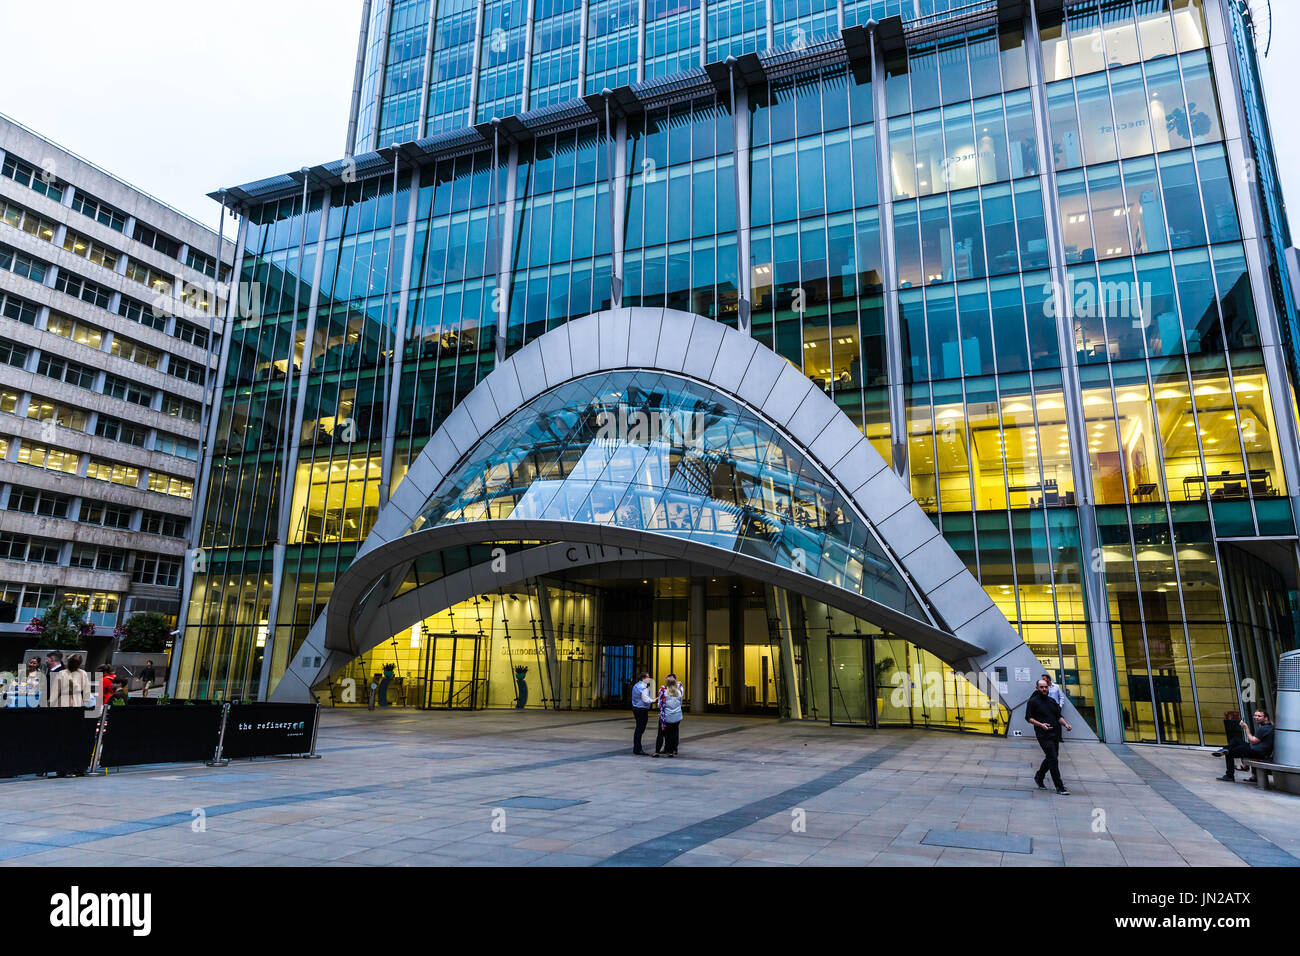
(180, 97)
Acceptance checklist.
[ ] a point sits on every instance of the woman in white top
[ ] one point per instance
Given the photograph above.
(71, 687)
(671, 710)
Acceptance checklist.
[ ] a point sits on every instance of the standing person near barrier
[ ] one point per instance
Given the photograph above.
(53, 665)
(106, 682)
(27, 685)
(672, 716)
(72, 687)
(147, 678)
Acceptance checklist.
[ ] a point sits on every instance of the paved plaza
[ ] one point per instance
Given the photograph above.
(422, 788)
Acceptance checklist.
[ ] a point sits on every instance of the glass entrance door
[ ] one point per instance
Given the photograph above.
(456, 671)
(849, 662)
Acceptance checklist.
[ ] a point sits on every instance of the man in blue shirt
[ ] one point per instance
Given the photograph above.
(1054, 691)
(641, 701)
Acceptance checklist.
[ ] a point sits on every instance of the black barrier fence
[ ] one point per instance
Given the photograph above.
(56, 739)
(136, 735)
(269, 730)
(46, 740)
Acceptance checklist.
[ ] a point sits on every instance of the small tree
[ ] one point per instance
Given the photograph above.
(143, 633)
(63, 626)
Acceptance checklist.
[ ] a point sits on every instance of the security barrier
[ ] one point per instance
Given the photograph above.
(45, 740)
(139, 735)
(56, 739)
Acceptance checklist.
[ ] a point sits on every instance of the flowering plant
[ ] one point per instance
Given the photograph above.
(62, 626)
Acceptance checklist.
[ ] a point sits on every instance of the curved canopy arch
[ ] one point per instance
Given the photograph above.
(673, 436)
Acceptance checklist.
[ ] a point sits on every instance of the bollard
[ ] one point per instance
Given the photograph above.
(315, 728)
(95, 769)
(217, 760)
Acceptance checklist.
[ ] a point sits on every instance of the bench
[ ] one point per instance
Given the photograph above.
(1286, 779)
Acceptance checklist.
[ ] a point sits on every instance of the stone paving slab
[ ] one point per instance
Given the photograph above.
(410, 788)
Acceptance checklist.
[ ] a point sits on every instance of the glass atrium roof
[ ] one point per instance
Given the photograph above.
(659, 453)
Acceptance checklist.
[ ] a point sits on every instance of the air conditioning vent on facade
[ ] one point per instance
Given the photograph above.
(1288, 671)
(1286, 735)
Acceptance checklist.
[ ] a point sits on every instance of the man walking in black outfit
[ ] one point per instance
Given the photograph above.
(1045, 714)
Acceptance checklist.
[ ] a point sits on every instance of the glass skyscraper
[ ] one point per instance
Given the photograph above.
(854, 361)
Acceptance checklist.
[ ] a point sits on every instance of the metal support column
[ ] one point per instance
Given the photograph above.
(889, 266)
(740, 177)
(358, 76)
(1109, 720)
(291, 460)
(507, 253)
(781, 608)
(526, 82)
(477, 65)
(698, 611)
(558, 691)
(426, 76)
(399, 339)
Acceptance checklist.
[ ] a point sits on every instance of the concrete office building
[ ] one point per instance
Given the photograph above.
(856, 362)
(108, 315)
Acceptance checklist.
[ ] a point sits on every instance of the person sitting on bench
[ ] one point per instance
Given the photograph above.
(1256, 746)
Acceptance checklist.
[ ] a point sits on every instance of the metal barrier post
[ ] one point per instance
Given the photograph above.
(95, 769)
(217, 760)
(315, 728)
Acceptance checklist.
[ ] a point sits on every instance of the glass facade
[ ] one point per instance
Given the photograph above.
(1018, 256)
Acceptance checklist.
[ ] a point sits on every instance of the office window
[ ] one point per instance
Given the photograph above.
(108, 516)
(83, 289)
(180, 408)
(137, 311)
(87, 248)
(201, 263)
(44, 410)
(40, 180)
(74, 329)
(18, 309)
(98, 558)
(145, 274)
(13, 353)
(99, 211)
(44, 504)
(156, 569)
(21, 547)
(74, 373)
(128, 391)
(21, 264)
(191, 372)
(114, 429)
(134, 352)
(175, 445)
(157, 241)
(14, 215)
(171, 485)
(189, 332)
(113, 472)
(51, 459)
(100, 607)
(173, 526)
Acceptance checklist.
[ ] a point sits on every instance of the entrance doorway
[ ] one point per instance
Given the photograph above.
(455, 672)
(851, 691)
